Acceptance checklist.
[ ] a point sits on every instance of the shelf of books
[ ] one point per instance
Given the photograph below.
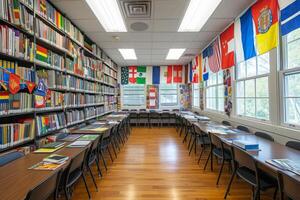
(52, 76)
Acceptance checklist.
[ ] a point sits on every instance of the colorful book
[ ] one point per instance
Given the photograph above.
(71, 138)
(46, 166)
(55, 158)
(246, 145)
(88, 137)
(47, 150)
(79, 144)
(53, 145)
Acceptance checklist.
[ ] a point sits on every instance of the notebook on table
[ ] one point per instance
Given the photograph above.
(79, 143)
(286, 165)
(53, 145)
(46, 166)
(71, 138)
(88, 137)
(55, 158)
(47, 150)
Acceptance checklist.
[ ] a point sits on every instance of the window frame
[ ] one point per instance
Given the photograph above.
(166, 105)
(197, 86)
(131, 105)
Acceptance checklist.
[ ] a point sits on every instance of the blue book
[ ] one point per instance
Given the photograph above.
(246, 145)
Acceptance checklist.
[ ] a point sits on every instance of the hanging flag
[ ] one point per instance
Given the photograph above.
(166, 74)
(205, 72)
(290, 15)
(14, 83)
(149, 75)
(41, 53)
(30, 86)
(41, 88)
(190, 68)
(200, 68)
(4, 97)
(156, 75)
(195, 70)
(141, 75)
(124, 75)
(177, 74)
(244, 37)
(265, 16)
(227, 47)
(3, 86)
(186, 73)
(132, 74)
(214, 56)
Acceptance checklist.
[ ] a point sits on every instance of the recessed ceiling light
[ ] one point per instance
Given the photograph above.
(108, 14)
(128, 54)
(197, 14)
(174, 54)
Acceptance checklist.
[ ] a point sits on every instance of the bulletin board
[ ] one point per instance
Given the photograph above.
(152, 97)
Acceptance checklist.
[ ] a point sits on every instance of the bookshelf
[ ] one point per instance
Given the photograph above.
(81, 79)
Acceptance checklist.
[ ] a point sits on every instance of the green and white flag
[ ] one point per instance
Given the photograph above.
(141, 75)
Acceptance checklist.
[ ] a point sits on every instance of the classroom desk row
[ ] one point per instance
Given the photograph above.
(16, 179)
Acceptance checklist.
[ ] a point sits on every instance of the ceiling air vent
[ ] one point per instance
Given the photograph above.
(188, 55)
(136, 9)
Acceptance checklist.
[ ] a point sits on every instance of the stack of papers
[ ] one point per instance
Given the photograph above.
(47, 150)
(286, 164)
(71, 138)
(46, 166)
(53, 145)
(55, 158)
(79, 143)
(88, 137)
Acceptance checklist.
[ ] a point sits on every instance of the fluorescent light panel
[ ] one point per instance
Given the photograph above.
(108, 14)
(128, 54)
(174, 54)
(197, 14)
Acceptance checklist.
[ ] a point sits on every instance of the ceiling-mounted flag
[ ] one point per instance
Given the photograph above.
(289, 15)
(155, 75)
(132, 74)
(265, 16)
(148, 75)
(227, 47)
(213, 54)
(124, 75)
(14, 83)
(244, 37)
(141, 75)
(166, 74)
(177, 74)
(200, 68)
(205, 72)
(195, 70)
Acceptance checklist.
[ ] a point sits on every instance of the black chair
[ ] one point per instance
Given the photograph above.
(93, 157)
(165, 117)
(46, 189)
(217, 148)
(288, 187)
(226, 123)
(175, 110)
(265, 136)
(202, 139)
(143, 110)
(154, 118)
(9, 157)
(73, 173)
(125, 110)
(247, 169)
(133, 117)
(196, 113)
(293, 144)
(243, 128)
(143, 117)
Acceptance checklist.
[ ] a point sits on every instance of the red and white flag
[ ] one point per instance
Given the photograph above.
(227, 47)
(132, 74)
(195, 70)
(177, 74)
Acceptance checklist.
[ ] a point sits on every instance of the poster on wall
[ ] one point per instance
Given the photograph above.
(227, 91)
(185, 96)
(201, 95)
(152, 97)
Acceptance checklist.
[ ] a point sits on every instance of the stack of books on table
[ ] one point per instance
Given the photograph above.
(246, 145)
(50, 147)
(51, 162)
(79, 143)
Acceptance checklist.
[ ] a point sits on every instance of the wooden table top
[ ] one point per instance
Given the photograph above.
(16, 180)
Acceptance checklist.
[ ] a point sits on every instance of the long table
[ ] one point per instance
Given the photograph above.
(268, 150)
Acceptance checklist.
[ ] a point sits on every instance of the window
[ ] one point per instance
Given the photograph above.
(215, 92)
(133, 95)
(291, 79)
(168, 94)
(196, 94)
(252, 87)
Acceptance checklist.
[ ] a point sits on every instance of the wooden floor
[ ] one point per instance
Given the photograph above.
(154, 164)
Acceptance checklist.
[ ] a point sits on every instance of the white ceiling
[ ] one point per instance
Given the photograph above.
(152, 45)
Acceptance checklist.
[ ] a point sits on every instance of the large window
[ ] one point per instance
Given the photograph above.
(215, 92)
(168, 94)
(133, 95)
(292, 78)
(252, 87)
(196, 93)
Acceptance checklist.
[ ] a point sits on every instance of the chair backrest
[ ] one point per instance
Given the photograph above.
(215, 141)
(243, 128)
(226, 123)
(125, 110)
(76, 163)
(288, 186)
(47, 188)
(166, 110)
(175, 110)
(143, 110)
(197, 113)
(9, 157)
(133, 110)
(293, 144)
(242, 158)
(143, 114)
(265, 136)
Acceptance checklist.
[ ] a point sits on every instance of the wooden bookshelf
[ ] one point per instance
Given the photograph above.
(37, 65)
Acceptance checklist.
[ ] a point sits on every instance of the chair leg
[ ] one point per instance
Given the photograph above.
(103, 159)
(201, 154)
(220, 172)
(256, 194)
(190, 140)
(98, 168)
(91, 173)
(111, 158)
(191, 147)
(66, 193)
(207, 160)
(229, 184)
(114, 150)
(275, 193)
(86, 187)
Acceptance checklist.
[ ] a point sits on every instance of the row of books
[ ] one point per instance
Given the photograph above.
(109, 80)
(15, 133)
(93, 99)
(96, 50)
(29, 3)
(75, 116)
(74, 99)
(43, 55)
(91, 86)
(73, 32)
(45, 32)
(15, 43)
(92, 68)
(109, 71)
(50, 122)
(94, 111)
(107, 89)
(25, 73)
(16, 13)
(20, 102)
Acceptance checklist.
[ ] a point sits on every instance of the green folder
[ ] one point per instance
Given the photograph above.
(88, 137)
